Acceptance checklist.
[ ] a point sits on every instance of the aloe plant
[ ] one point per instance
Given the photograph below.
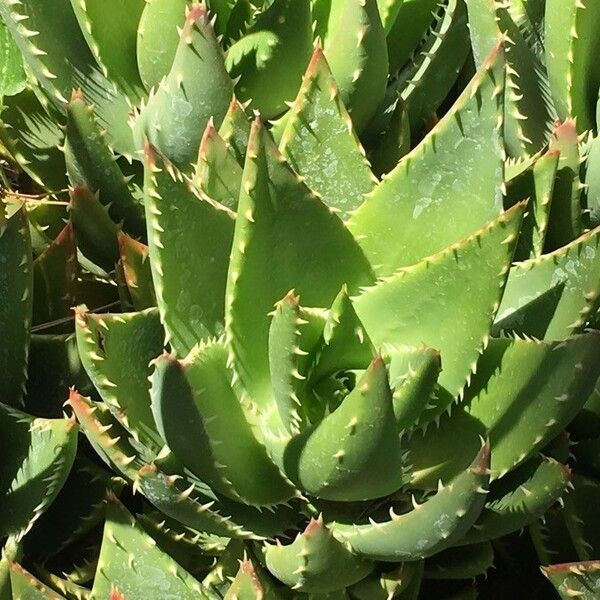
(332, 348)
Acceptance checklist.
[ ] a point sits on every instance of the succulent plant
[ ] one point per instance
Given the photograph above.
(331, 348)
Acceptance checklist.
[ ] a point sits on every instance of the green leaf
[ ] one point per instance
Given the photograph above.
(62, 63)
(54, 281)
(413, 19)
(528, 110)
(315, 562)
(435, 303)
(157, 38)
(553, 296)
(116, 350)
(357, 446)
(354, 44)
(426, 82)
(575, 580)
(571, 42)
(189, 239)
(272, 56)
(33, 134)
(110, 28)
(37, 457)
(235, 130)
(430, 527)
(202, 421)
(137, 273)
(196, 89)
(12, 73)
(218, 173)
(164, 486)
(16, 296)
(520, 498)
(251, 582)
(275, 250)
(466, 562)
(411, 213)
(320, 144)
(132, 566)
(523, 394)
(91, 164)
(95, 231)
(26, 587)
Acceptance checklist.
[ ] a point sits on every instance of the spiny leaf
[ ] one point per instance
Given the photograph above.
(202, 421)
(137, 273)
(32, 133)
(235, 130)
(196, 89)
(571, 42)
(575, 580)
(407, 215)
(26, 587)
(12, 73)
(272, 56)
(553, 296)
(354, 44)
(157, 38)
(357, 446)
(275, 250)
(428, 528)
(190, 242)
(523, 394)
(54, 279)
(37, 457)
(110, 28)
(96, 232)
(91, 163)
(218, 173)
(16, 294)
(519, 499)
(466, 562)
(116, 350)
(433, 302)
(320, 144)
(315, 562)
(132, 567)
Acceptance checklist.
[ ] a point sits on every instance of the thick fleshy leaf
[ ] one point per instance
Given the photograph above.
(196, 89)
(354, 43)
(272, 56)
(95, 231)
(218, 173)
(410, 214)
(189, 238)
(37, 457)
(132, 566)
(275, 250)
(553, 296)
(26, 587)
(430, 527)
(16, 295)
(116, 350)
(579, 580)
(523, 394)
(33, 135)
(528, 109)
(572, 43)
(110, 29)
(519, 499)
(137, 273)
(320, 144)
(202, 421)
(315, 562)
(54, 280)
(447, 301)
(157, 38)
(357, 446)
(12, 73)
(166, 488)
(62, 63)
(91, 163)
(466, 562)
